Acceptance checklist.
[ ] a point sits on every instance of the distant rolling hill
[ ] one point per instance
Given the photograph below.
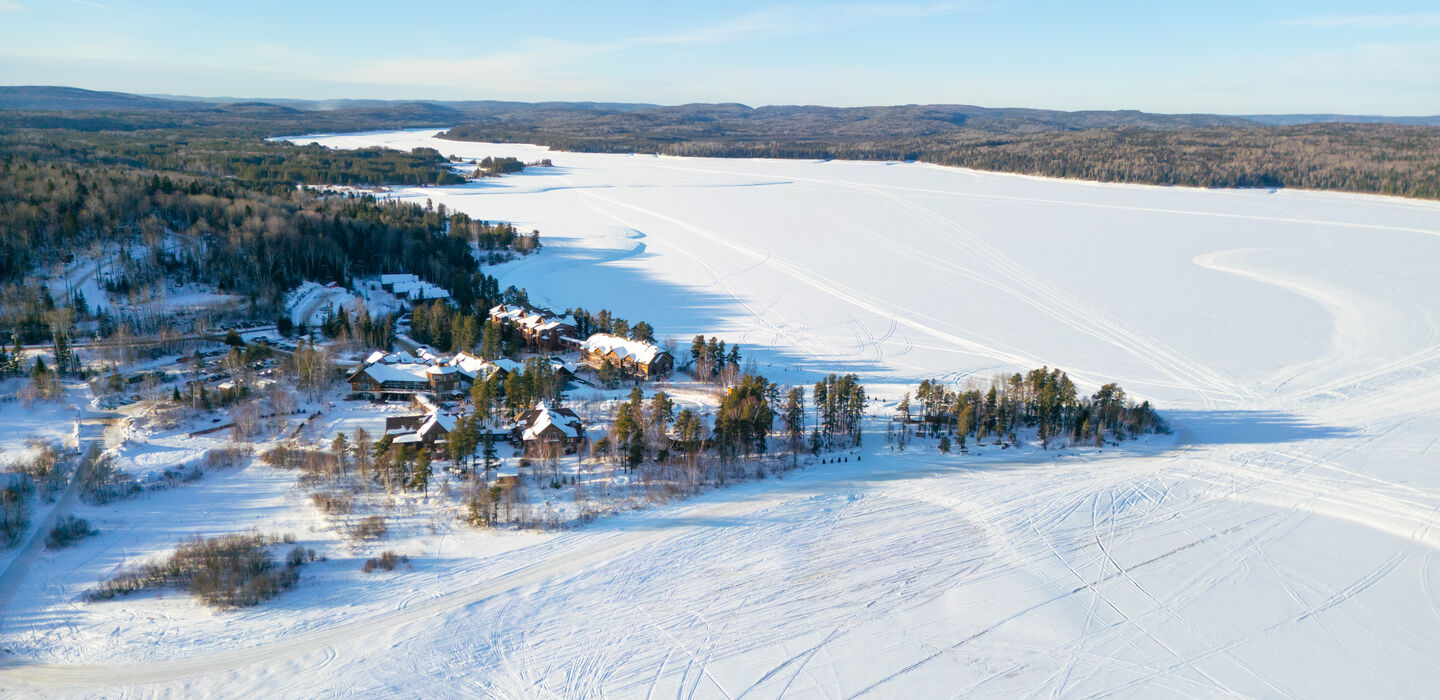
(52, 98)
(897, 120)
(1378, 154)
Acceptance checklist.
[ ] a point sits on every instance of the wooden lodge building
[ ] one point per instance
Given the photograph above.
(633, 358)
(541, 334)
(543, 426)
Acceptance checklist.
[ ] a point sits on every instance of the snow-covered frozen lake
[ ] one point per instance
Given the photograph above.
(1283, 543)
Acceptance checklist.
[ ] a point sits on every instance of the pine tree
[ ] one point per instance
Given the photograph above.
(64, 359)
(340, 447)
(480, 397)
(636, 453)
(662, 410)
(795, 421)
(697, 349)
(608, 375)
(421, 477)
(489, 455)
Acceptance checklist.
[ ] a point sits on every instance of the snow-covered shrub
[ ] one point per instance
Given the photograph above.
(387, 561)
(370, 527)
(101, 482)
(225, 458)
(222, 572)
(331, 502)
(15, 494)
(67, 532)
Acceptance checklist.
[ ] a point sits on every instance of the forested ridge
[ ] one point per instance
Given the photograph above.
(224, 210)
(1394, 159)
(1382, 155)
(253, 162)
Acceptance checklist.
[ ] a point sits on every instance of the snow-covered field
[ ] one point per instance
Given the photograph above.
(1283, 542)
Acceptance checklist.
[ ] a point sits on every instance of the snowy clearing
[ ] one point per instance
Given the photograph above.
(1283, 542)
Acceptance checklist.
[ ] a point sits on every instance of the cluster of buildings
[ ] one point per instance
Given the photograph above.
(541, 334)
(631, 358)
(412, 288)
(401, 376)
(542, 430)
(427, 379)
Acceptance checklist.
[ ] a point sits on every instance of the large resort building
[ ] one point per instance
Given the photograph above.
(541, 334)
(632, 358)
(401, 376)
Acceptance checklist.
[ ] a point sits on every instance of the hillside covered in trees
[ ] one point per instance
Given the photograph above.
(1199, 151)
(225, 210)
(1384, 155)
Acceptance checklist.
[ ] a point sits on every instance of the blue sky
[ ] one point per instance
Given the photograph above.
(1219, 56)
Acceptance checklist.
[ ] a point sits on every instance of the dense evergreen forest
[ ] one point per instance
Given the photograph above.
(1386, 155)
(251, 162)
(1394, 159)
(225, 210)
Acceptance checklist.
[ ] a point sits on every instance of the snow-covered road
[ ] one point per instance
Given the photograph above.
(1283, 542)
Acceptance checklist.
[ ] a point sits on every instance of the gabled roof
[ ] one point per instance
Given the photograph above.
(543, 417)
(624, 348)
(469, 364)
(509, 365)
(426, 403)
(525, 319)
(443, 421)
(399, 372)
(473, 366)
(402, 357)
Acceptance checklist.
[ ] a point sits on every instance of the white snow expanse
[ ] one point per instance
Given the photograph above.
(1283, 543)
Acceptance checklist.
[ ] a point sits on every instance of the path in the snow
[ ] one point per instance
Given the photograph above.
(1282, 543)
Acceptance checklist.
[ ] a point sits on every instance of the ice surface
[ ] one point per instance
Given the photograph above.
(1283, 542)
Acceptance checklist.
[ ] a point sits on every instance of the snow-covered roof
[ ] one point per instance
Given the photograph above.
(443, 420)
(525, 319)
(407, 439)
(504, 312)
(398, 372)
(396, 279)
(418, 289)
(470, 365)
(473, 366)
(509, 365)
(429, 292)
(640, 351)
(442, 369)
(569, 426)
(426, 403)
(402, 357)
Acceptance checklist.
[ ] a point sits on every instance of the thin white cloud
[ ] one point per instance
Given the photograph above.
(1396, 21)
(550, 66)
(792, 21)
(11, 6)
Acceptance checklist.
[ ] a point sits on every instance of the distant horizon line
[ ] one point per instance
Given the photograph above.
(234, 99)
